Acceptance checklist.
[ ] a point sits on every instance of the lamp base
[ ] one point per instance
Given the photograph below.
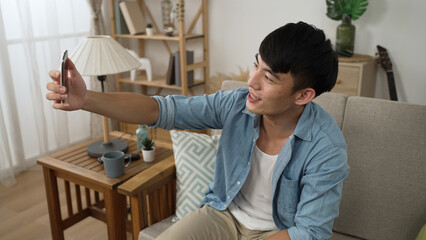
(98, 148)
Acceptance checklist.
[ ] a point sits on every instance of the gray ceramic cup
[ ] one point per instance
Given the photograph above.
(114, 163)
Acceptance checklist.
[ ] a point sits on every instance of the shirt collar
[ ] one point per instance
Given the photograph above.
(256, 117)
(304, 125)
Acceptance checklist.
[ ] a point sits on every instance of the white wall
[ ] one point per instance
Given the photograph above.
(236, 28)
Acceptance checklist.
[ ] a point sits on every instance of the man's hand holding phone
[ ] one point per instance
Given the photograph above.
(68, 89)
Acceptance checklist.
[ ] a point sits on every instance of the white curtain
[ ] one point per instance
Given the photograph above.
(97, 23)
(33, 35)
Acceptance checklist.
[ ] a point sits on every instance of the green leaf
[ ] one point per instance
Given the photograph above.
(147, 143)
(336, 8)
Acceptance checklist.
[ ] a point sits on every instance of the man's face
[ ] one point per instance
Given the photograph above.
(271, 93)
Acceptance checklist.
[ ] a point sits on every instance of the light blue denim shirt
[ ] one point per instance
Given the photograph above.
(309, 172)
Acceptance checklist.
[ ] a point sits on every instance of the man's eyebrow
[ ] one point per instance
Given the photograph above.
(272, 73)
(267, 69)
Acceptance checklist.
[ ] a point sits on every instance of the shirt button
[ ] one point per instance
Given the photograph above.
(229, 197)
(254, 139)
(289, 137)
(211, 203)
(238, 183)
(248, 163)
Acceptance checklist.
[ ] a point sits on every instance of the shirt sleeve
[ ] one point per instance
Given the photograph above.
(198, 112)
(320, 195)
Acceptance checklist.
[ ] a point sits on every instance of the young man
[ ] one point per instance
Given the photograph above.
(281, 159)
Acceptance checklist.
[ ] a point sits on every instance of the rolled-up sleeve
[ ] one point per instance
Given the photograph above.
(166, 116)
(197, 112)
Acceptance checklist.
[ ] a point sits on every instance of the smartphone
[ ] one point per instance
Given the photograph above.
(64, 71)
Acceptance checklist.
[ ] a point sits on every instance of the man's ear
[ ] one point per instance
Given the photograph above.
(304, 96)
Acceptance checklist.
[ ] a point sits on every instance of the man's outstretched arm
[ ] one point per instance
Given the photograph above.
(124, 107)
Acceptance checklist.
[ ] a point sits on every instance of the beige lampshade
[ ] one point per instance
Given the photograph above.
(102, 55)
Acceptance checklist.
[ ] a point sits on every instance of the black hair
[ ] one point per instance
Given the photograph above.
(303, 51)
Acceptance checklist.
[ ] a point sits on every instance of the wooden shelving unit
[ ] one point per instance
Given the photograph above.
(181, 38)
(159, 82)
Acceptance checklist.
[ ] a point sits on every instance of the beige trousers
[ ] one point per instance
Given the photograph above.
(208, 223)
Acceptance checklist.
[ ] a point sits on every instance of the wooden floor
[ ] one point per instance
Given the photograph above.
(24, 214)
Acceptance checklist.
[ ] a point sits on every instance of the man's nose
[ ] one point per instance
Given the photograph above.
(254, 79)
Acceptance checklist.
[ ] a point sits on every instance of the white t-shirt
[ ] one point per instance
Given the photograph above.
(253, 204)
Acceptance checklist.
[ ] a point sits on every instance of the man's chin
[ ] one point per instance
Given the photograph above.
(252, 108)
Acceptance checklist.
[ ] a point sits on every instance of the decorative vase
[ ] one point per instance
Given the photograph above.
(148, 155)
(167, 17)
(141, 133)
(345, 37)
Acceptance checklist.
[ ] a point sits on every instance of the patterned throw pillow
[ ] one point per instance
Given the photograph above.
(195, 155)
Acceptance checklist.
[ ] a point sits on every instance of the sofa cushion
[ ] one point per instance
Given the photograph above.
(334, 104)
(233, 84)
(152, 232)
(384, 194)
(195, 156)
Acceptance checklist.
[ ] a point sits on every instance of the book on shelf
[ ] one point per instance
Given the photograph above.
(170, 75)
(189, 60)
(120, 24)
(133, 17)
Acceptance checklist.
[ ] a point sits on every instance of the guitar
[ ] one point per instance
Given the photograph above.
(386, 64)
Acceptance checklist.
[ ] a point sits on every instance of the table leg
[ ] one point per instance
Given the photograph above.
(115, 208)
(53, 205)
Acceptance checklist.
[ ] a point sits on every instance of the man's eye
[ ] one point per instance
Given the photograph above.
(255, 65)
(268, 78)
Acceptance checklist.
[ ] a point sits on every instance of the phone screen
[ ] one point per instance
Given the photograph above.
(64, 71)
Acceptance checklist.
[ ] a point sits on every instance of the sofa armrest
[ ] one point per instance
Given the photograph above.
(152, 195)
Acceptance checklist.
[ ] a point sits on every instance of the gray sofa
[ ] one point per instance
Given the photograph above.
(384, 196)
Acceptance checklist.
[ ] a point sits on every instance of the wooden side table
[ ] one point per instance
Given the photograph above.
(357, 76)
(74, 165)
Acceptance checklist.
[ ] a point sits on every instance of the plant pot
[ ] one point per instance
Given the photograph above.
(149, 31)
(148, 155)
(345, 37)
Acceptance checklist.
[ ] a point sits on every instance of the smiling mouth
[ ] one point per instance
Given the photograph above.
(254, 97)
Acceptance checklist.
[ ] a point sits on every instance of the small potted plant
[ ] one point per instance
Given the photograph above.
(148, 149)
(149, 29)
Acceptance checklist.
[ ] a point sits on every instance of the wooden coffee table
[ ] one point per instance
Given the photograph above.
(101, 198)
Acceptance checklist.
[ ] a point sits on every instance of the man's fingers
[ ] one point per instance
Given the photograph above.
(61, 106)
(57, 92)
(54, 87)
(55, 75)
(56, 96)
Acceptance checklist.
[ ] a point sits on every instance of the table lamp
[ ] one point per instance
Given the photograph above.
(99, 56)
